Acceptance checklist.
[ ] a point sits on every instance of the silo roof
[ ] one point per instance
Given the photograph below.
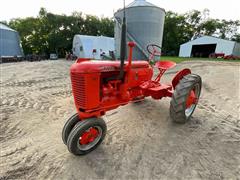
(140, 3)
(2, 26)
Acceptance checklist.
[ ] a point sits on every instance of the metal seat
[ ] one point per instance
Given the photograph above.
(164, 65)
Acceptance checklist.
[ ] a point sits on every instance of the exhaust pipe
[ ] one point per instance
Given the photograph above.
(123, 45)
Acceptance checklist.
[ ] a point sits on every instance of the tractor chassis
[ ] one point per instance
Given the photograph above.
(116, 93)
(85, 130)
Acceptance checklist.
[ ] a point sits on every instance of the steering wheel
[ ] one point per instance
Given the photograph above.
(154, 50)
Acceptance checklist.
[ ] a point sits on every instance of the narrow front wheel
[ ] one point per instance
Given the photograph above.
(71, 122)
(86, 136)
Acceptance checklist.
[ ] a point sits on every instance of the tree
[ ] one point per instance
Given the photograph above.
(51, 33)
(236, 38)
(228, 29)
(176, 31)
(209, 27)
(180, 28)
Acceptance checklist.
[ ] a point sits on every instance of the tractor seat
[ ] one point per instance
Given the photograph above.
(164, 65)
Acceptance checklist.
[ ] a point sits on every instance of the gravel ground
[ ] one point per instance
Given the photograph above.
(141, 142)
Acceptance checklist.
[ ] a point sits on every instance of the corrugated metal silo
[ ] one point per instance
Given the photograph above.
(145, 23)
(9, 42)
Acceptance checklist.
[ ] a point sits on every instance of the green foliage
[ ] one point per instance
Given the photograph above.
(51, 33)
(182, 59)
(176, 32)
(181, 28)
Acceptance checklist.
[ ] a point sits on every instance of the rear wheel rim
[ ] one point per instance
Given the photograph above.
(89, 138)
(192, 100)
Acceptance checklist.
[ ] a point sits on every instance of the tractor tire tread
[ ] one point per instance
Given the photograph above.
(178, 101)
(71, 122)
(79, 128)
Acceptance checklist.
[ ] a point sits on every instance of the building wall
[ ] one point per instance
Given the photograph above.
(236, 50)
(84, 45)
(223, 46)
(10, 43)
(185, 50)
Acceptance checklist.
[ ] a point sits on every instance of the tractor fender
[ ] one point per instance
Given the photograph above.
(179, 76)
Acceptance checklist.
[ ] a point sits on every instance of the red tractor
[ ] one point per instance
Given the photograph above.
(101, 86)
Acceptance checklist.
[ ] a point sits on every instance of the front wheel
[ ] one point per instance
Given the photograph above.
(71, 122)
(185, 98)
(86, 136)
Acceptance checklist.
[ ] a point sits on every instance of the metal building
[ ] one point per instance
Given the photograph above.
(145, 23)
(92, 46)
(206, 45)
(9, 42)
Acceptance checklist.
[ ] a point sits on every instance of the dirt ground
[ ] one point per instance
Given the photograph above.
(141, 142)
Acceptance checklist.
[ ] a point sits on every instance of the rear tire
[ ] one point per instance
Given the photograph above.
(179, 112)
(79, 131)
(71, 122)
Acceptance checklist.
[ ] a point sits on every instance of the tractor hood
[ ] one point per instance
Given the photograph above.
(103, 66)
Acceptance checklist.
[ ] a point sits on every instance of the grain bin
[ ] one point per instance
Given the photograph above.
(145, 23)
(9, 42)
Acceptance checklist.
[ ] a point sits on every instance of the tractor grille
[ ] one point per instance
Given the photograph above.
(79, 89)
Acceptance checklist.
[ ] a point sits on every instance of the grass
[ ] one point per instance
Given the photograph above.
(182, 59)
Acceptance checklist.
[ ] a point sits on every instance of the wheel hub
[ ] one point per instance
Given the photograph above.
(89, 136)
(192, 99)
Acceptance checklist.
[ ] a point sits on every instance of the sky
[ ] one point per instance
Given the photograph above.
(229, 10)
